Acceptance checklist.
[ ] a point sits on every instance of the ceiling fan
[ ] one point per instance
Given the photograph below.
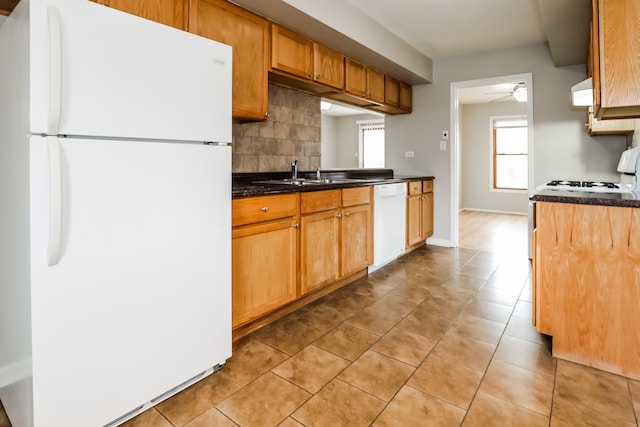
(519, 93)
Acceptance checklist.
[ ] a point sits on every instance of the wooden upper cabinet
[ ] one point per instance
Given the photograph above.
(616, 56)
(291, 53)
(328, 66)
(168, 12)
(248, 35)
(391, 91)
(406, 101)
(297, 56)
(363, 81)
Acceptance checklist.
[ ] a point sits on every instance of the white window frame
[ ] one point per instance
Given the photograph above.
(493, 119)
(363, 124)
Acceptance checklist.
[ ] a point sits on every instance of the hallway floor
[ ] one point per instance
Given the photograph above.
(441, 337)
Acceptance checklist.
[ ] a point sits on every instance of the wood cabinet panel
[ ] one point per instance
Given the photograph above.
(248, 35)
(319, 262)
(419, 211)
(168, 12)
(356, 196)
(328, 66)
(355, 78)
(391, 91)
(406, 97)
(375, 85)
(263, 269)
(356, 239)
(264, 208)
(426, 216)
(618, 57)
(316, 201)
(588, 283)
(291, 52)
(414, 233)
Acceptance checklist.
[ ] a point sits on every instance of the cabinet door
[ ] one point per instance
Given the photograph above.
(168, 12)
(356, 239)
(414, 234)
(248, 35)
(426, 215)
(355, 78)
(263, 268)
(391, 91)
(405, 97)
(375, 85)
(319, 249)
(619, 33)
(328, 66)
(291, 53)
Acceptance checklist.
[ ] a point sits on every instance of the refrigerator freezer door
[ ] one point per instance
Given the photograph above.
(140, 299)
(111, 74)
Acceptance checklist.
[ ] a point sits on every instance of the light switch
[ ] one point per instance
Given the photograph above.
(443, 145)
(409, 154)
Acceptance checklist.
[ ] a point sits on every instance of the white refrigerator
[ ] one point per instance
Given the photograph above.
(115, 212)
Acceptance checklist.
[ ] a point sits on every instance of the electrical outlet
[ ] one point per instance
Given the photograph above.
(409, 154)
(445, 134)
(443, 145)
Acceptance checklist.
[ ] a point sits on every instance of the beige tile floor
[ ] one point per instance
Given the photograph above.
(442, 337)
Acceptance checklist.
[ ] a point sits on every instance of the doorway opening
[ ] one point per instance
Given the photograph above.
(487, 90)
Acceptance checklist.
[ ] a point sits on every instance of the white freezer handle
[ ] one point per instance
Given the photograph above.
(55, 70)
(55, 201)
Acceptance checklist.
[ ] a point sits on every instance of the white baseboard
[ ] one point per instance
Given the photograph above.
(439, 242)
(14, 372)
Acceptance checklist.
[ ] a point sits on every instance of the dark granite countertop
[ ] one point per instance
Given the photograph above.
(626, 200)
(248, 184)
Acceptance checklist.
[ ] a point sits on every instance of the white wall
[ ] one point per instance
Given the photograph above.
(476, 152)
(561, 147)
(345, 144)
(328, 141)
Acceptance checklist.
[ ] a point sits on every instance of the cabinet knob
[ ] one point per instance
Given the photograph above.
(266, 114)
(296, 225)
(317, 76)
(264, 209)
(347, 213)
(338, 216)
(310, 74)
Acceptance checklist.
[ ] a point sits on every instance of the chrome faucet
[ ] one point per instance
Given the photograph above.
(318, 175)
(294, 169)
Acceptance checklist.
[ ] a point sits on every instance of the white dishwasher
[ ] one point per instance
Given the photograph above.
(389, 222)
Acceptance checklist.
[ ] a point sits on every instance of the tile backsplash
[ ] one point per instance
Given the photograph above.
(291, 132)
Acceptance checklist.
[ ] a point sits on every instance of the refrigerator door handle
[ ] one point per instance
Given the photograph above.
(55, 70)
(55, 201)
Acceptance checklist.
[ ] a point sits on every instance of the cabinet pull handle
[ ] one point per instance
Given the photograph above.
(264, 209)
(347, 213)
(338, 215)
(296, 225)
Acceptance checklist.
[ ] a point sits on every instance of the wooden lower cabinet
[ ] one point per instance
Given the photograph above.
(419, 212)
(356, 239)
(587, 283)
(264, 268)
(319, 260)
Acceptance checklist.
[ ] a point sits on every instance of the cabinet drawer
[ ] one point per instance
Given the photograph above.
(415, 188)
(317, 201)
(427, 186)
(356, 196)
(263, 208)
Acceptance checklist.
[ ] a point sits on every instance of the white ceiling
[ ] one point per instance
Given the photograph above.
(441, 28)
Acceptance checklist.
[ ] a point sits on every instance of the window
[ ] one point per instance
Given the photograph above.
(510, 152)
(371, 143)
